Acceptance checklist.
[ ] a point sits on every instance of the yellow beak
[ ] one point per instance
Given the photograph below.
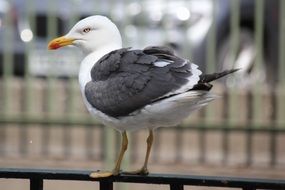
(60, 42)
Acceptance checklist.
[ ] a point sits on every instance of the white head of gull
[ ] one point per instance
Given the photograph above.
(95, 36)
(133, 89)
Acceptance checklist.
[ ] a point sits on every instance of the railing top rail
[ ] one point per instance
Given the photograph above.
(194, 180)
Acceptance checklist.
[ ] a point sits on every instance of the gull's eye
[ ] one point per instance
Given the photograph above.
(86, 30)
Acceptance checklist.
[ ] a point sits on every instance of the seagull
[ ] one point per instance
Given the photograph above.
(130, 89)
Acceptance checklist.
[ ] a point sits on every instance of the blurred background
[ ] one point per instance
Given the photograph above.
(44, 124)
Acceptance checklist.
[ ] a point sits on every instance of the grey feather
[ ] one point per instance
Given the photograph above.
(124, 80)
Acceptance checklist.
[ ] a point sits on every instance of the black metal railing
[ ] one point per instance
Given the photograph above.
(175, 182)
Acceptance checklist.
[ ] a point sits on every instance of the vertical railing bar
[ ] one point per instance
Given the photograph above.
(248, 143)
(178, 146)
(23, 149)
(106, 185)
(36, 184)
(225, 144)
(176, 186)
(202, 143)
(211, 43)
(3, 132)
(202, 136)
(225, 137)
(71, 86)
(66, 141)
(27, 99)
(234, 29)
(273, 147)
(258, 25)
(48, 101)
(164, 31)
(252, 99)
(273, 121)
(22, 130)
(109, 146)
(89, 142)
(230, 104)
(164, 22)
(134, 147)
(256, 98)
(234, 43)
(70, 91)
(258, 42)
(126, 21)
(211, 64)
(51, 22)
(2, 83)
(45, 140)
(140, 33)
(210, 57)
(282, 42)
(187, 47)
(102, 143)
(281, 61)
(3, 142)
(66, 136)
(27, 87)
(8, 63)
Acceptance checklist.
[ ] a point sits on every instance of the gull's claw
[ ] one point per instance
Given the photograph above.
(101, 174)
(142, 171)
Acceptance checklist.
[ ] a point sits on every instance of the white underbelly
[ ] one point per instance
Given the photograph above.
(166, 113)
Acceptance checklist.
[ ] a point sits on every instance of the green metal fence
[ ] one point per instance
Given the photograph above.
(40, 95)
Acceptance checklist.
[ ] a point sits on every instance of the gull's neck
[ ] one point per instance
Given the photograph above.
(89, 61)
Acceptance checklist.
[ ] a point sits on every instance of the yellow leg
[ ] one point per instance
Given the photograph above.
(149, 145)
(117, 168)
(124, 147)
(144, 170)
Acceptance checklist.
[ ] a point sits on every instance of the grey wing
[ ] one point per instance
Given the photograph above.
(130, 80)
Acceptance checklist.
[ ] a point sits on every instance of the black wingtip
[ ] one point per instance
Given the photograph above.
(211, 77)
